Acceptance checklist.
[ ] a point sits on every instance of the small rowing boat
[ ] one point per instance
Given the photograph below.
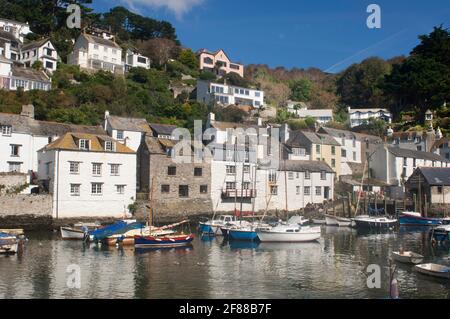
(9, 244)
(407, 257)
(171, 241)
(434, 270)
(416, 219)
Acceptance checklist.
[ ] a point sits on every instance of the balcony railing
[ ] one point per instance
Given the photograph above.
(239, 193)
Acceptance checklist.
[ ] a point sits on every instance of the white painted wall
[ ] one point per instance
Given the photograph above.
(131, 139)
(39, 54)
(109, 204)
(205, 94)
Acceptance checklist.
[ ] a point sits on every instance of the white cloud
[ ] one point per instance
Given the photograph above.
(178, 7)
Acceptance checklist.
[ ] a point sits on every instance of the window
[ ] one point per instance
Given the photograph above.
(291, 175)
(298, 190)
(307, 190)
(333, 150)
(414, 163)
(257, 94)
(272, 176)
(274, 190)
(109, 146)
(95, 47)
(354, 156)
(231, 170)
(343, 153)
(15, 150)
(75, 189)
(318, 149)
(47, 168)
(114, 51)
(307, 175)
(184, 191)
(120, 135)
(172, 171)
(115, 169)
(14, 167)
(97, 189)
(198, 172)
(318, 191)
(96, 169)
(299, 152)
(49, 65)
(354, 142)
(323, 175)
(405, 161)
(231, 186)
(74, 168)
(84, 144)
(440, 189)
(120, 189)
(165, 189)
(203, 189)
(6, 130)
(246, 169)
(333, 163)
(142, 60)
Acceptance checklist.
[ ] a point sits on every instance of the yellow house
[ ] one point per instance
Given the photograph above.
(303, 145)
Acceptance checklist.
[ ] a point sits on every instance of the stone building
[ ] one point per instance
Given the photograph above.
(174, 187)
(430, 185)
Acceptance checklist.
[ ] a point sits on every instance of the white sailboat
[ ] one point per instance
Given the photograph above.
(289, 234)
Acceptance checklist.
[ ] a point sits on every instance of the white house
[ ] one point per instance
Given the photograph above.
(29, 79)
(18, 29)
(362, 116)
(9, 45)
(42, 50)
(225, 95)
(394, 165)
(300, 109)
(442, 148)
(22, 136)
(128, 131)
(351, 147)
(5, 72)
(135, 59)
(94, 53)
(88, 176)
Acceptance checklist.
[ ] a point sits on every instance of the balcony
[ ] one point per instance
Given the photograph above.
(239, 193)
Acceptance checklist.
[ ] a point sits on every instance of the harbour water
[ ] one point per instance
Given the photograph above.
(335, 267)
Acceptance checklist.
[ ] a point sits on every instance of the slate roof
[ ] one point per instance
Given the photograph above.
(400, 152)
(436, 176)
(298, 138)
(34, 44)
(24, 124)
(8, 36)
(162, 129)
(303, 166)
(30, 74)
(97, 40)
(315, 113)
(155, 146)
(349, 134)
(129, 124)
(223, 126)
(69, 142)
(375, 110)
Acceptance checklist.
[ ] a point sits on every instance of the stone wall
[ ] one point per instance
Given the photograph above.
(11, 180)
(30, 212)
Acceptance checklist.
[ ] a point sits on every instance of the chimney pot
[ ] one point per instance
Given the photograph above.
(28, 111)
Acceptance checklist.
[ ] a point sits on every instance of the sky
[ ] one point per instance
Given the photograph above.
(326, 34)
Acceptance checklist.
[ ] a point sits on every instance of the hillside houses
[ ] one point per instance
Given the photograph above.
(42, 50)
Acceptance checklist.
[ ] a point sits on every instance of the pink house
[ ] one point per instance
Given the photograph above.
(218, 63)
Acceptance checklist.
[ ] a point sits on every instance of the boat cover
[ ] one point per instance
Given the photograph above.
(117, 228)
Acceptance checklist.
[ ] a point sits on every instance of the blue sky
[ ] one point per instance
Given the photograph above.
(328, 34)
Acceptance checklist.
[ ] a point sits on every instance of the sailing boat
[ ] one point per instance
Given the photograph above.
(367, 222)
(154, 240)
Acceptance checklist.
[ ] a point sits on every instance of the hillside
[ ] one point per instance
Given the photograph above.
(406, 85)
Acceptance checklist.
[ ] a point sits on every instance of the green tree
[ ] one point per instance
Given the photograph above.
(422, 81)
(359, 85)
(301, 90)
(188, 58)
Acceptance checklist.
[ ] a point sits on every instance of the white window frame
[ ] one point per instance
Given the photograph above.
(115, 169)
(97, 169)
(15, 167)
(6, 130)
(97, 189)
(75, 189)
(120, 189)
(74, 168)
(84, 144)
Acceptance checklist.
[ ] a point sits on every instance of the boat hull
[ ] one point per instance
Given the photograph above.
(271, 237)
(331, 221)
(407, 258)
(245, 235)
(68, 233)
(344, 222)
(410, 220)
(434, 270)
(374, 224)
(9, 248)
(163, 242)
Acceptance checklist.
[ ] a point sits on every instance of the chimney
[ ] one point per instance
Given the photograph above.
(212, 117)
(260, 122)
(105, 126)
(28, 111)
(284, 134)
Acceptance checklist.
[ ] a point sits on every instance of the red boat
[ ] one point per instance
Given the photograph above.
(171, 241)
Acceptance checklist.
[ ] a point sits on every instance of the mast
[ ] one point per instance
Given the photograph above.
(151, 198)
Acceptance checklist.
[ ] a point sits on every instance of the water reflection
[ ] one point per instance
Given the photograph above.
(334, 267)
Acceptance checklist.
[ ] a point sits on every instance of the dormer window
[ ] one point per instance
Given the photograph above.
(120, 135)
(110, 146)
(6, 130)
(84, 145)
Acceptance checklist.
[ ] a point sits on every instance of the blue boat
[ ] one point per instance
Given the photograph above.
(416, 219)
(118, 228)
(244, 233)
